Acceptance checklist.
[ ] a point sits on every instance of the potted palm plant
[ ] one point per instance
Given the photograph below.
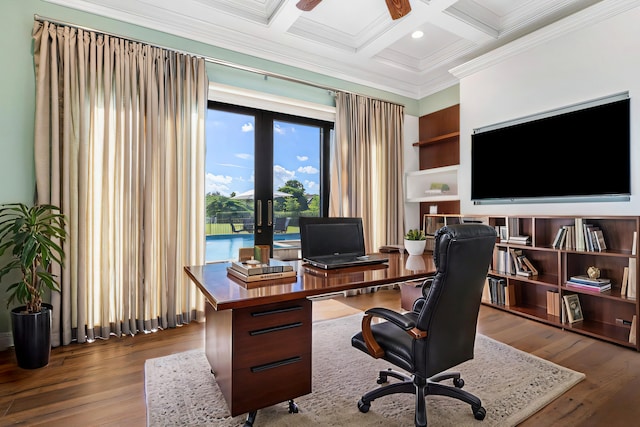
(415, 241)
(34, 237)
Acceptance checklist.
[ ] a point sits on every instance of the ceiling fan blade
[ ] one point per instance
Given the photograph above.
(397, 8)
(307, 5)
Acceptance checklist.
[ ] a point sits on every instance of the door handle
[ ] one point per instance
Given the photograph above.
(259, 219)
(270, 212)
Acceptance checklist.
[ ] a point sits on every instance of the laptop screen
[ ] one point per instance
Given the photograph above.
(330, 236)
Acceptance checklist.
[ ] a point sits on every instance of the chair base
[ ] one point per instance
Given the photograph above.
(421, 388)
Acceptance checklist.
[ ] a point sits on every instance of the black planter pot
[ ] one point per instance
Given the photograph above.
(32, 336)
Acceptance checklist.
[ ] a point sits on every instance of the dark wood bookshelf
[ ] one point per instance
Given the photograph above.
(602, 310)
(439, 147)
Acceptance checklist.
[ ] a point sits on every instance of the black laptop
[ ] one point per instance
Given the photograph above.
(330, 243)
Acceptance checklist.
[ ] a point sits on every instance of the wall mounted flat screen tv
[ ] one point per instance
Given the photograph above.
(574, 154)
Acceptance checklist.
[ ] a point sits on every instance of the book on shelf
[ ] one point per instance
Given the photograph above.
(569, 241)
(588, 288)
(260, 277)
(625, 281)
(583, 278)
(579, 235)
(486, 292)
(553, 303)
(599, 237)
(556, 240)
(501, 231)
(633, 274)
(573, 308)
(520, 240)
(499, 292)
(513, 227)
(514, 255)
(252, 267)
(632, 331)
(529, 266)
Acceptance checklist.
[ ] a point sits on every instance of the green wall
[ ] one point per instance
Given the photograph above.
(17, 87)
(439, 100)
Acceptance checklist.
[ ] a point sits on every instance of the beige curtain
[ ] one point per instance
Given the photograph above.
(119, 146)
(367, 167)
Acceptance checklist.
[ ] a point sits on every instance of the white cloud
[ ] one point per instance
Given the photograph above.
(307, 169)
(278, 129)
(281, 175)
(243, 156)
(302, 158)
(217, 183)
(310, 186)
(247, 127)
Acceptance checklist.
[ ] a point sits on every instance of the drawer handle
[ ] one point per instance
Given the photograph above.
(279, 310)
(277, 364)
(275, 329)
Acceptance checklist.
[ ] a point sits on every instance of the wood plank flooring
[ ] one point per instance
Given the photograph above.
(102, 384)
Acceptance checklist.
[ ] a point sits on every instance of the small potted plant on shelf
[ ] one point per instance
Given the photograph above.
(415, 242)
(34, 236)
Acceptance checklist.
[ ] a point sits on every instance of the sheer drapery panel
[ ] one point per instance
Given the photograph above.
(367, 167)
(119, 146)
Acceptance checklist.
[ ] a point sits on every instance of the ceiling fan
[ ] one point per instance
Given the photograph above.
(397, 8)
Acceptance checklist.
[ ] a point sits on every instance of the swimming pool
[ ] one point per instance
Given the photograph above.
(223, 247)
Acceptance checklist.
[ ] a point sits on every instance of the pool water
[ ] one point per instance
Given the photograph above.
(223, 247)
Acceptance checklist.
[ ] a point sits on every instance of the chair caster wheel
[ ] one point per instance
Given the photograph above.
(479, 413)
(381, 380)
(363, 407)
(458, 382)
(293, 408)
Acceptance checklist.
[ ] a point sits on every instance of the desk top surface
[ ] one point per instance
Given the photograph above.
(224, 292)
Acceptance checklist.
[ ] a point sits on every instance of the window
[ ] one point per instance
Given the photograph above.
(263, 170)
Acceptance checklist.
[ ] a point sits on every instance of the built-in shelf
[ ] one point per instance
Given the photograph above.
(436, 139)
(418, 183)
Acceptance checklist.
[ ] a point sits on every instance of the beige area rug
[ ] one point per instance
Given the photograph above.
(513, 385)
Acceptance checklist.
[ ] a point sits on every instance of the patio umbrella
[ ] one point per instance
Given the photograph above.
(248, 195)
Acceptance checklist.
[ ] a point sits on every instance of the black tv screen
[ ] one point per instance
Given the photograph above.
(581, 154)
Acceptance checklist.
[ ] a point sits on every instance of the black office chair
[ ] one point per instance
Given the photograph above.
(439, 333)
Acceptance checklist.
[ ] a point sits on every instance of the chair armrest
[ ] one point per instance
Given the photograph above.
(395, 318)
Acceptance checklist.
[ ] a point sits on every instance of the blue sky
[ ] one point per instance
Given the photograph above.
(230, 154)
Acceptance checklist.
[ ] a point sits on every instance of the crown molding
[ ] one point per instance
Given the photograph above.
(592, 15)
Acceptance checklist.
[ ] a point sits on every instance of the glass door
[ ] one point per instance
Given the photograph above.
(263, 171)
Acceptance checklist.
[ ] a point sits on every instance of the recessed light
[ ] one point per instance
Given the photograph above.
(417, 34)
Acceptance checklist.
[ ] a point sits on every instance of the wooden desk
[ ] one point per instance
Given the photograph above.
(258, 339)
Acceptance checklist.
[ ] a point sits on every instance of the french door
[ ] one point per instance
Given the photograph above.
(264, 170)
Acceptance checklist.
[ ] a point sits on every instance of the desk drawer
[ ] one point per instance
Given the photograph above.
(270, 346)
(274, 332)
(260, 386)
(271, 315)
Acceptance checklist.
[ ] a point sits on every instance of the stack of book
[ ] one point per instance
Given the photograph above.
(581, 237)
(253, 271)
(497, 291)
(586, 283)
(519, 239)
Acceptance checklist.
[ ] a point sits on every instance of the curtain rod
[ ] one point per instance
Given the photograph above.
(211, 59)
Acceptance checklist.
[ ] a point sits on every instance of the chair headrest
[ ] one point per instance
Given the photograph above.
(460, 232)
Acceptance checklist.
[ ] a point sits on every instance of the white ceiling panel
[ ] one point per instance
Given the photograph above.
(354, 40)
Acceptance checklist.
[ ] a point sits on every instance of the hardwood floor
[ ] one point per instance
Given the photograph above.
(102, 384)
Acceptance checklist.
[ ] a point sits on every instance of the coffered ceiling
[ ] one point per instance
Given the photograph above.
(354, 40)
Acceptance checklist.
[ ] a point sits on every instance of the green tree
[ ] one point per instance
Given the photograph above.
(314, 204)
(291, 205)
(217, 203)
(296, 189)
